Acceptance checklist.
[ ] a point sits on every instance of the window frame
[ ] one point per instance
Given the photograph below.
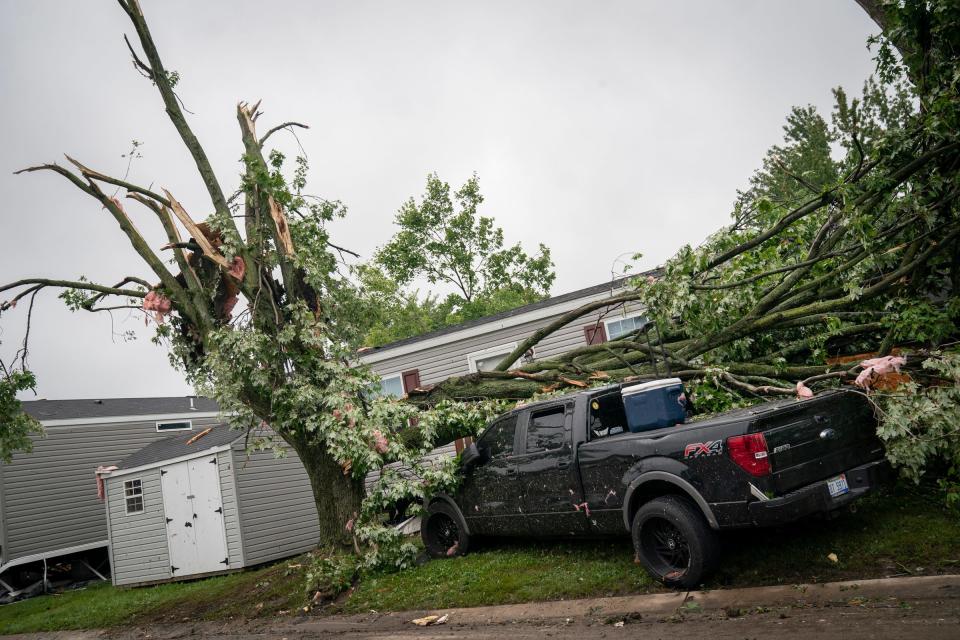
(394, 376)
(565, 409)
(607, 321)
(519, 424)
(504, 349)
(132, 494)
(189, 426)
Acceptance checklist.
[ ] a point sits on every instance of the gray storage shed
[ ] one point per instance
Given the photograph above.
(48, 498)
(186, 507)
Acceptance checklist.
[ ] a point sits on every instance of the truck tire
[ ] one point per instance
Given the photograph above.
(442, 533)
(674, 542)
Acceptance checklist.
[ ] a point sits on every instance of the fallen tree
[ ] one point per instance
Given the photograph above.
(827, 257)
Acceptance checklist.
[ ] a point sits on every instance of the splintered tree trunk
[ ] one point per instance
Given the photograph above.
(337, 495)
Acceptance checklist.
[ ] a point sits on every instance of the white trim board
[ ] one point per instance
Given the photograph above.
(481, 329)
(149, 417)
(162, 463)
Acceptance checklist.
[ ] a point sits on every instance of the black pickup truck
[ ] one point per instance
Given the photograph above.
(570, 467)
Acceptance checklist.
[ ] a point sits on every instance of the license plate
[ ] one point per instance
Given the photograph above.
(838, 486)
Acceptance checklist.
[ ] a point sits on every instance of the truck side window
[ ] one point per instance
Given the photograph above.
(607, 417)
(498, 440)
(546, 429)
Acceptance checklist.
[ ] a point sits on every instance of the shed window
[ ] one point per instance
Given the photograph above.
(183, 425)
(133, 492)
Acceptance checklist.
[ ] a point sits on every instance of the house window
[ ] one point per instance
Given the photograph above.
(391, 386)
(619, 327)
(488, 359)
(133, 493)
(183, 425)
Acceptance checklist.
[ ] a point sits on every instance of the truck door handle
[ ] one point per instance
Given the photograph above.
(563, 464)
(511, 471)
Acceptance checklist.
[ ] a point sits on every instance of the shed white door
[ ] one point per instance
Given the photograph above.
(194, 511)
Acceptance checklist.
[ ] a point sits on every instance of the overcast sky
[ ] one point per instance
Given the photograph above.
(597, 128)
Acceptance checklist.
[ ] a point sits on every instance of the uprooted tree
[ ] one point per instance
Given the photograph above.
(824, 256)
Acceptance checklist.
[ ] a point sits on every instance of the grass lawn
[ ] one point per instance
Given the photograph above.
(904, 531)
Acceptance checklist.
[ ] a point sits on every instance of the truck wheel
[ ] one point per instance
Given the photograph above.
(442, 535)
(674, 542)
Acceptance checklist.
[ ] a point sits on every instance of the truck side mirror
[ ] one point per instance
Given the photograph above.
(471, 456)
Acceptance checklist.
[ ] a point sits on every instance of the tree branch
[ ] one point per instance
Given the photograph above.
(285, 125)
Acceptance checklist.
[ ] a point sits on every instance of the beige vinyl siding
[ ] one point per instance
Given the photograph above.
(138, 541)
(278, 517)
(50, 495)
(440, 362)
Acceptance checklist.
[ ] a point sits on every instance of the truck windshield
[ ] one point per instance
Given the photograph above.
(606, 417)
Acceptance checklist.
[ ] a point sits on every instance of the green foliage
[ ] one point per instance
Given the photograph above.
(920, 424)
(16, 427)
(329, 574)
(444, 240)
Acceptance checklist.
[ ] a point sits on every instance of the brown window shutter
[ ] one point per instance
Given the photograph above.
(595, 333)
(411, 380)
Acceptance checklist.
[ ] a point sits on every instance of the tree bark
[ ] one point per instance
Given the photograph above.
(337, 495)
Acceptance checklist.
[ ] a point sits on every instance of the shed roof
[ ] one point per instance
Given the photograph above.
(116, 407)
(177, 446)
(540, 304)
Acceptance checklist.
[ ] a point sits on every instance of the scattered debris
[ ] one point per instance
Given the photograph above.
(429, 621)
(619, 621)
(199, 435)
(691, 607)
(877, 367)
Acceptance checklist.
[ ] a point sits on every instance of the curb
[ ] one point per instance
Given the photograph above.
(913, 587)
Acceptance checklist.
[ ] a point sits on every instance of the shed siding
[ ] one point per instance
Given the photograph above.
(438, 363)
(231, 515)
(138, 541)
(3, 529)
(278, 517)
(50, 495)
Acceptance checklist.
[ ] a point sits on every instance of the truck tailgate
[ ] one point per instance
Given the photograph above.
(818, 438)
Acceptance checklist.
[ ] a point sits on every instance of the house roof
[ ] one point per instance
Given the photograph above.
(533, 306)
(177, 446)
(116, 407)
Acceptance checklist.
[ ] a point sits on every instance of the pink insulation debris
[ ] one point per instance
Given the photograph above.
(379, 442)
(158, 303)
(876, 367)
(237, 268)
(803, 391)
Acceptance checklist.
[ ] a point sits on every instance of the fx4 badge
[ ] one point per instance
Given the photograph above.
(703, 449)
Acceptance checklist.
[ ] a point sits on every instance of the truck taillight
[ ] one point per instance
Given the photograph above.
(750, 453)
